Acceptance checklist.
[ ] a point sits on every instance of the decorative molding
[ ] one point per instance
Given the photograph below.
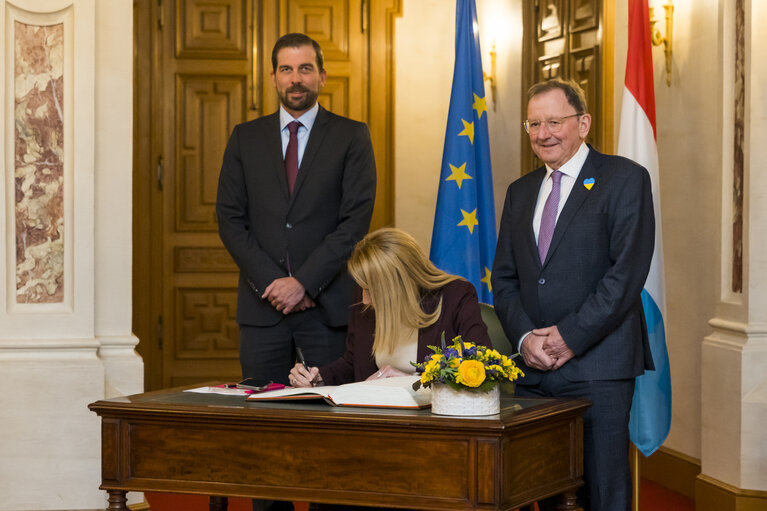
(550, 25)
(206, 109)
(206, 323)
(325, 22)
(335, 95)
(752, 330)
(140, 506)
(48, 349)
(117, 343)
(714, 495)
(682, 474)
(671, 469)
(48, 160)
(211, 29)
(203, 260)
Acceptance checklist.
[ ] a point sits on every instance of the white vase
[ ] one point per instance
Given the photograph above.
(445, 400)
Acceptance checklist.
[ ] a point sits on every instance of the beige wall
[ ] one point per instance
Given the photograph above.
(689, 137)
(424, 69)
(424, 57)
(689, 121)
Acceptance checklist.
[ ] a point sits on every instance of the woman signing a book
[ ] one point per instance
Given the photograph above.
(403, 305)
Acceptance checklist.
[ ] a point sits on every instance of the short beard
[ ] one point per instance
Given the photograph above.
(298, 106)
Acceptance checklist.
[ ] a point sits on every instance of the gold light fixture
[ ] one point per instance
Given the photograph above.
(491, 77)
(657, 39)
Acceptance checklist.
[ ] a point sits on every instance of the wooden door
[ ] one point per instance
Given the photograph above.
(563, 38)
(202, 66)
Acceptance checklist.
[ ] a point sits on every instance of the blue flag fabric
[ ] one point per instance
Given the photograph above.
(464, 237)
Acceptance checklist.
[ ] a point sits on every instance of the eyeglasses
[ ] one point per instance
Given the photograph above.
(554, 125)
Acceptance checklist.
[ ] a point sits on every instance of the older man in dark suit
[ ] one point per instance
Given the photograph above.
(574, 250)
(295, 194)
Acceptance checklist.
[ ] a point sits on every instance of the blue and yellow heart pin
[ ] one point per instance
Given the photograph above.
(589, 182)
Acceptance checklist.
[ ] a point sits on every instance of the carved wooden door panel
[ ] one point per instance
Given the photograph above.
(563, 38)
(205, 88)
(203, 66)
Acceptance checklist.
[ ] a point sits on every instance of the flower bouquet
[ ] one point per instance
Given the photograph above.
(463, 366)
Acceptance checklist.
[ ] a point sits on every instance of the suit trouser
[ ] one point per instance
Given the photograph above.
(267, 353)
(606, 468)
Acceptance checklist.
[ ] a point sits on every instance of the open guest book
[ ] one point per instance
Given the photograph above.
(384, 393)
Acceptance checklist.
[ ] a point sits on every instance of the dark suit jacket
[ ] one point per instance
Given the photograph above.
(590, 284)
(312, 231)
(460, 316)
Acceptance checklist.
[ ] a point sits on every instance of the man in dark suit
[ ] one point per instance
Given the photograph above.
(293, 199)
(574, 250)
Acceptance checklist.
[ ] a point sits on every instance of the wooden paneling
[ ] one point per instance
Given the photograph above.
(203, 259)
(212, 29)
(207, 109)
(335, 25)
(563, 39)
(206, 319)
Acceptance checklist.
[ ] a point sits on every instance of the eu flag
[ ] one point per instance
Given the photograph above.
(463, 239)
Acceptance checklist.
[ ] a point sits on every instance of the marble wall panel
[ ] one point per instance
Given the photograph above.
(39, 162)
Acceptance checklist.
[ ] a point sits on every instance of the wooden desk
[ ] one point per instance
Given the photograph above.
(172, 441)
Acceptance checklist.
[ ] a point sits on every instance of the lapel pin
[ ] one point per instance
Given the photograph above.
(589, 182)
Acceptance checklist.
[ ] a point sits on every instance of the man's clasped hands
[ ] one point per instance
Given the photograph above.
(544, 349)
(287, 295)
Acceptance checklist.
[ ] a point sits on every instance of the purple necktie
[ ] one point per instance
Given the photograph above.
(549, 216)
(291, 155)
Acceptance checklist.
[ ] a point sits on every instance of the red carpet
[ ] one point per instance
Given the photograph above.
(653, 497)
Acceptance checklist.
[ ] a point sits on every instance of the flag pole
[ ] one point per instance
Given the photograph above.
(635, 469)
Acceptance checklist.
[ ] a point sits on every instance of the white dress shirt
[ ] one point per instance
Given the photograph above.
(570, 171)
(306, 120)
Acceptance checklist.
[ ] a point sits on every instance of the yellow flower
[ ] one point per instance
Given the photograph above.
(471, 373)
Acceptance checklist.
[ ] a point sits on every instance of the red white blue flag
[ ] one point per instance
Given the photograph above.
(651, 409)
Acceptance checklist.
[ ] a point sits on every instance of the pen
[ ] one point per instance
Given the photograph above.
(301, 359)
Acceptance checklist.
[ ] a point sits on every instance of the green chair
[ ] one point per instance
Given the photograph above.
(498, 339)
(495, 330)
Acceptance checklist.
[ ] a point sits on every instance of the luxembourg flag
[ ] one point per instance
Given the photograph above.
(651, 410)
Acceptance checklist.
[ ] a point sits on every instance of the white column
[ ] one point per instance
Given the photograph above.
(65, 289)
(734, 364)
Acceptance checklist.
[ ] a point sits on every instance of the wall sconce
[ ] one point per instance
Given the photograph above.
(492, 76)
(656, 38)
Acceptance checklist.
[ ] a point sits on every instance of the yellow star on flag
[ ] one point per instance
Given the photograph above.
(469, 220)
(468, 130)
(458, 174)
(486, 279)
(480, 105)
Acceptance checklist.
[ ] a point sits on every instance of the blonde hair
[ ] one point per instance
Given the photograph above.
(391, 266)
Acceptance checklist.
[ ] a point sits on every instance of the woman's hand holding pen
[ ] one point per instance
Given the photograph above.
(302, 376)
